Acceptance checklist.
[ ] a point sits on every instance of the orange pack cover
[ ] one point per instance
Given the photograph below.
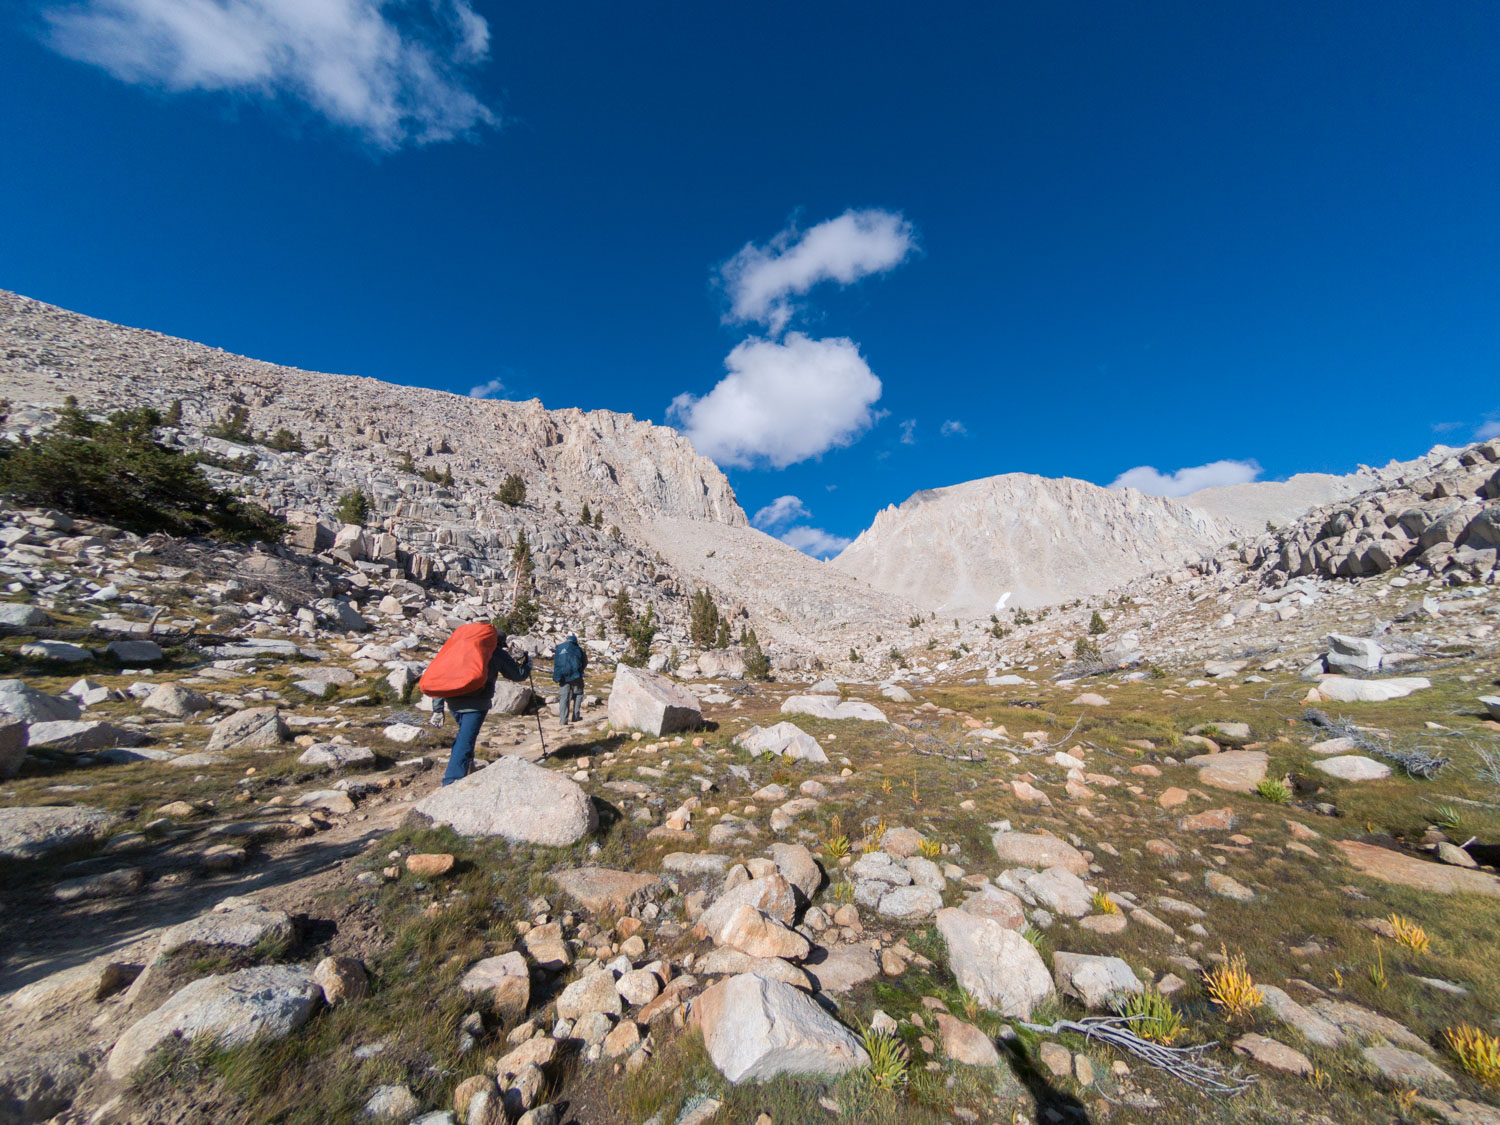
(462, 664)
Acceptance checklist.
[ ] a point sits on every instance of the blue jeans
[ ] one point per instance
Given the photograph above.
(461, 759)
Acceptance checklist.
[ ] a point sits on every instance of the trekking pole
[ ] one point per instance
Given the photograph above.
(540, 736)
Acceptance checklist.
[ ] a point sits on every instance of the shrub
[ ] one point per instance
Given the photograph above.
(353, 507)
(1097, 625)
(1274, 790)
(855, 657)
(888, 1065)
(1103, 904)
(1085, 649)
(1153, 1016)
(118, 472)
(512, 491)
(641, 632)
(234, 426)
(1231, 987)
(1409, 934)
(757, 664)
(930, 849)
(896, 657)
(284, 441)
(174, 414)
(914, 623)
(1478, 1052)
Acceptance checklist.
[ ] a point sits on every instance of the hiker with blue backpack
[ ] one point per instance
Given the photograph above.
(569, 662)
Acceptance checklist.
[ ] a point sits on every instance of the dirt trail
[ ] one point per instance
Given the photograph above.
(40, 936)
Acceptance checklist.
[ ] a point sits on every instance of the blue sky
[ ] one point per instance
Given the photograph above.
(863, 248)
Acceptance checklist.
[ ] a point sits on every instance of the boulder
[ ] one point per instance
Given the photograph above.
(27, 833)
(1238, 771)
(504, 983)
(135, 652)
(25, 702)
(342, 979)
(755, 1029)
(336, 756)
(1274, 1054)
(1341, 689)
(604, 891)
(18, 613)
(1096, 981)
(828, 707)
(255, 728)
(1491, 703)
(177, 701)
(510, 698)
(85, 734)
(998, 967)
(60, 652)
(795, 864)
(786, 739)
(1407, 871)
(1060, 891)
(1036, 850)
(265, 1002)
(758, 934)
(1352, 654)
(513, 799)
(595, 992)
(238, 923)
(965, 1043)
(1353, 767)
(722, 662)
(12, 745)
(991, 902)
(642, 701)
(842, 967)
(910, 903)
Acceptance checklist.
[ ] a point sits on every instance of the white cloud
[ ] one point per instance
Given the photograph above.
(761, 280)
(1183, 481)
(909, 432)
(954, 428)
(346, 59)
(780, 512)
(491, 389)
(782, 402)
(1487, 431)
(815, 541)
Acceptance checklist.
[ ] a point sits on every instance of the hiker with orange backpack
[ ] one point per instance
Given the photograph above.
(462, 677)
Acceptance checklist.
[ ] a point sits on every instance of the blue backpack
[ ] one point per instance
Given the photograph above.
(567, 662)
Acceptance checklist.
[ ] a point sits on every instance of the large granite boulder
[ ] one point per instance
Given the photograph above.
(20, 699)
(654, 704)
(27, 833)
(518, 801)
(998, 967)
(1097, 981)
(755, 1029)
(1036, 850)
(786, 739)
(255, 728)
(829, 707)
(265, 1002)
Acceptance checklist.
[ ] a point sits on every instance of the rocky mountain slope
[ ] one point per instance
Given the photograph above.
(957, 550)
(650, 491)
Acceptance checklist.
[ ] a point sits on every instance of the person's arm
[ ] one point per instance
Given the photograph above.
(510, 668)
(583, 661)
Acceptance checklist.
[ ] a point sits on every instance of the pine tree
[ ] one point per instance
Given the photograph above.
(512, 492)
(642, 631)
(584, 517)
(703, 620)
(623, 614)
(1097, 625)
(353, 507)
(757, 665)
(174, 414)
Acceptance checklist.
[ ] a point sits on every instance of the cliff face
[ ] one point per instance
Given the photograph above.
(956, 550)
(638, 469)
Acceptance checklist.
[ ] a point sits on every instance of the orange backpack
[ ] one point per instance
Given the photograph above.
(462, 664)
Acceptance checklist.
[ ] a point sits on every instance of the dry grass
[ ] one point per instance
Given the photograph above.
(1231, 987)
